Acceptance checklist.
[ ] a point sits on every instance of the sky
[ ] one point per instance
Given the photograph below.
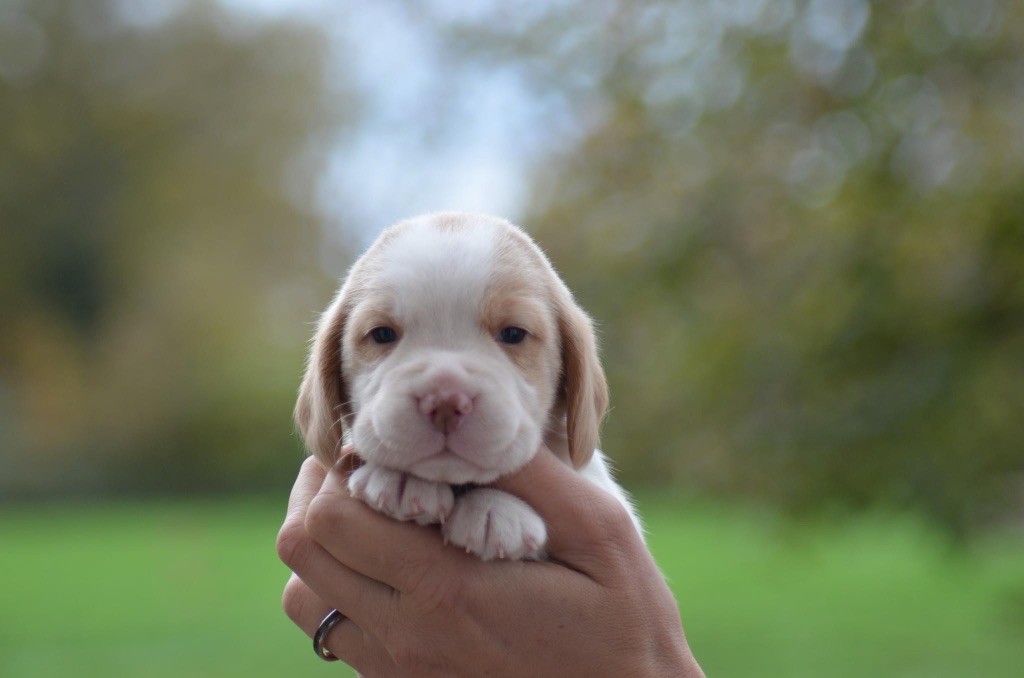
(395, 168)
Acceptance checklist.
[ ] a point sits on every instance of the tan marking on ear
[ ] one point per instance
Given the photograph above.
(583, 381)
(323, 396)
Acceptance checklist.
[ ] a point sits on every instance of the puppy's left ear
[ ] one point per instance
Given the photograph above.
(583, 384)
(323, 396)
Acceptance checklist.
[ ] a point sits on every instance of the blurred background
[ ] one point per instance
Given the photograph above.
(799, 225)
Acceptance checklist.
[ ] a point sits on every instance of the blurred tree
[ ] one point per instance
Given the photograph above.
(801, 226)
(155, 280)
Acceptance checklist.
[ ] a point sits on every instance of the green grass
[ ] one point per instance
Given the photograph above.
(194, 588)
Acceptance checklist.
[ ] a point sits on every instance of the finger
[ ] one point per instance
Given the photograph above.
(346, 640)
(398, 554)
(356, 596)
(580, 516)
(363, 599)
(311, 477)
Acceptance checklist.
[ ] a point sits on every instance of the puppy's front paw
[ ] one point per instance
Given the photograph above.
(401, 495)
(494, 524)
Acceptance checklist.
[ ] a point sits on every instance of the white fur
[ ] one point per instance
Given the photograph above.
(429, 278)
(437, 281)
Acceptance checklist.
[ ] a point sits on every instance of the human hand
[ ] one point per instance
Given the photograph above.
(415, 606)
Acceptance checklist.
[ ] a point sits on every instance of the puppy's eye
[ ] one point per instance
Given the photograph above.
(384, 335)
(512, 335)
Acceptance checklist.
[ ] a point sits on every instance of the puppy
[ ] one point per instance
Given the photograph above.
(451, 354)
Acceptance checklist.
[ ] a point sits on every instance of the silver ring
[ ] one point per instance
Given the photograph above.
(320, 637)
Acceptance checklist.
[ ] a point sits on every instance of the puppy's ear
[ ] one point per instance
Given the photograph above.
(583, 384)
(323, 396)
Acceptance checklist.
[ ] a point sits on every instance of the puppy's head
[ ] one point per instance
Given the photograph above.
(451, 352)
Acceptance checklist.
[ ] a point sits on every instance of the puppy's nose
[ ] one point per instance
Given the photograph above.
(445, 410)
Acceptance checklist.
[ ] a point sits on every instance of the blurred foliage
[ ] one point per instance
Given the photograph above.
(801, 226)
(799, 223)
(153, 281)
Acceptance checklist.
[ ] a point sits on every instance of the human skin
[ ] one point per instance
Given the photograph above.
(415, 606)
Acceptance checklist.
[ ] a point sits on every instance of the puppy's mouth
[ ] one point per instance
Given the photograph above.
(451, 467)
(480, 457)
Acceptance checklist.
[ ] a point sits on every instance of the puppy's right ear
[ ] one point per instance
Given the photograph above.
(323, 396)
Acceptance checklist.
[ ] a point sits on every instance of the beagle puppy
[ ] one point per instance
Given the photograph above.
(451, 355)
